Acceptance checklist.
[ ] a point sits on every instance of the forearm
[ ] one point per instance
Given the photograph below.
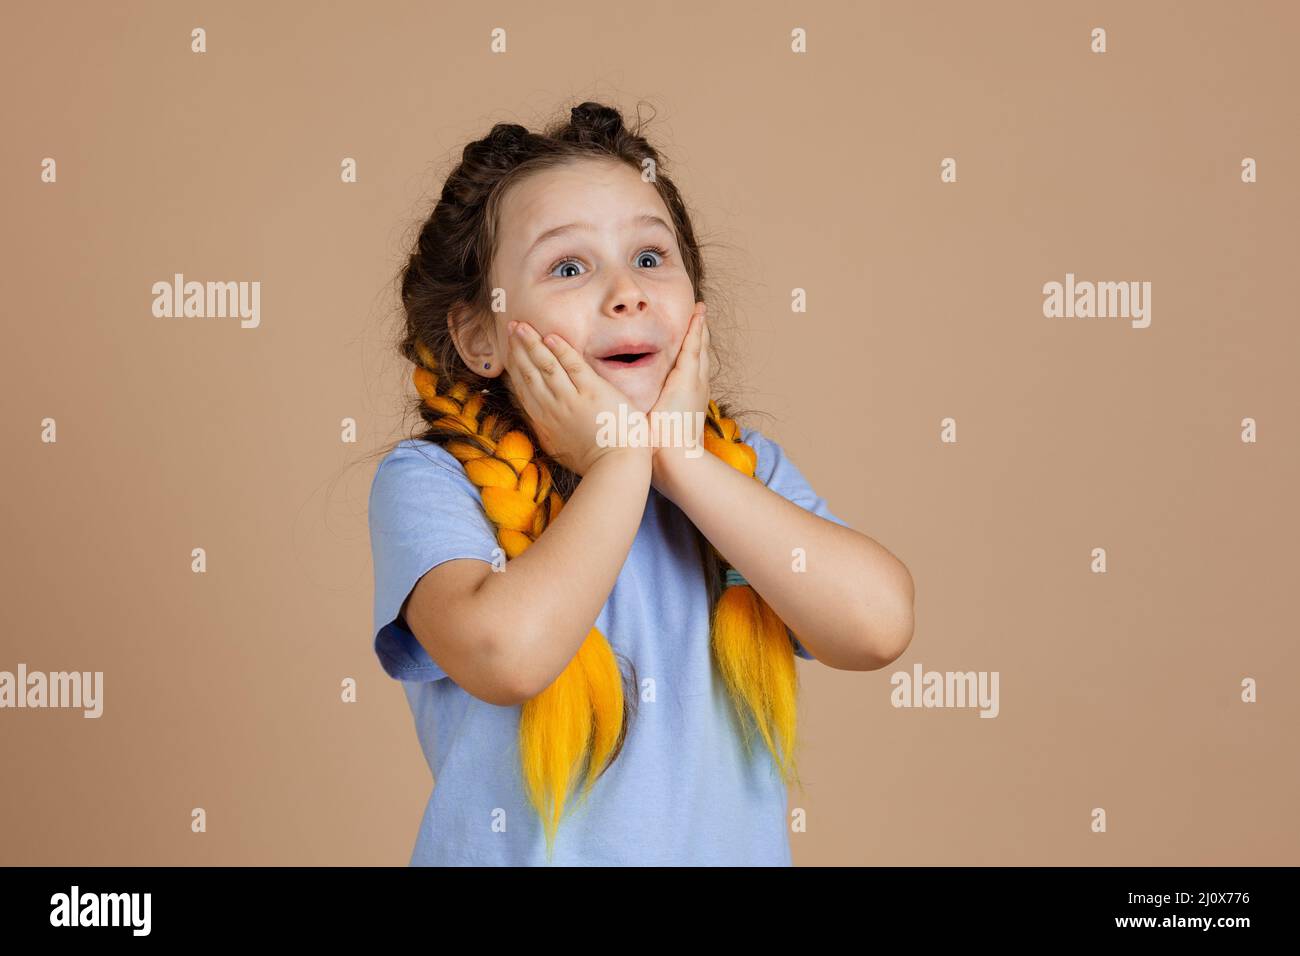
(850, 605)
(550, 595)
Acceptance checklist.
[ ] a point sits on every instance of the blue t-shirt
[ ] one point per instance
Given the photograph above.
(683, 791)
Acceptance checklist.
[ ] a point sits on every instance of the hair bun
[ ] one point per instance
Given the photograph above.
(598, 119)
(500, 150)
(508, 137)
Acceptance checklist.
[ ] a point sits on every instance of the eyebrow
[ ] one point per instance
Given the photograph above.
(644, 219)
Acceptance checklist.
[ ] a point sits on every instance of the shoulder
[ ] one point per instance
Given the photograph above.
(415, 457)
(775, 469)
(417, 469)
(768, 452)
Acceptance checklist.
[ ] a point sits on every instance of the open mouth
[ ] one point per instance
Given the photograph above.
(630, 359)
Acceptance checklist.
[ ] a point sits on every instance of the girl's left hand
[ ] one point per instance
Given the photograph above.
(686, 389)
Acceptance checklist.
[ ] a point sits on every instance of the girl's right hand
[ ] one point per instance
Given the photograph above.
(563, 396)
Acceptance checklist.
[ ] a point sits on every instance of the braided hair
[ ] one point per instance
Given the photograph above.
(574, 730)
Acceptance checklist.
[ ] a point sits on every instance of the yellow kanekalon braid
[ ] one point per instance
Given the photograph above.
(751, 644)
(580, 720)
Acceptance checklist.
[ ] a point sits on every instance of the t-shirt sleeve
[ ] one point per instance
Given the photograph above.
(779, 473)
(424, 511)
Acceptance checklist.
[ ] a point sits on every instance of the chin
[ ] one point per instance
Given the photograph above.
(643, 399)
(641, 396)
(635, 400)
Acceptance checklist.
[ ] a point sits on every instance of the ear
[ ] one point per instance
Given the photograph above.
(475, 341)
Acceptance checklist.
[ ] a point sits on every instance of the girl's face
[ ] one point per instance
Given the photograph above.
(587, 251)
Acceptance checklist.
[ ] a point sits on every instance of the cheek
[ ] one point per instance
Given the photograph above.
(684, 328)
(562, 325)
(685, 309)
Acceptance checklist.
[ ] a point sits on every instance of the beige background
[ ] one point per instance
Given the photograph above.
(818, 171)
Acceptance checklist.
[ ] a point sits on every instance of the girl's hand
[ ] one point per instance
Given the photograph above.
(563, 396)
(686, 389)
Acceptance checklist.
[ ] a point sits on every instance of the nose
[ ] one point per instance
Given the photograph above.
(627, 297)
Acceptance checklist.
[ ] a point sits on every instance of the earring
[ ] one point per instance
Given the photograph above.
(487, 364)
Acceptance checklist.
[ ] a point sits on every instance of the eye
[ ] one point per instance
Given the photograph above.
(563, 262)
(569, 260)
(661, 253)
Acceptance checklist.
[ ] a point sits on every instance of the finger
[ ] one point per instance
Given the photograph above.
(528, 380)
(694, 338)
(552, 376)
(684, 350)
(580, 374)
(704, 350)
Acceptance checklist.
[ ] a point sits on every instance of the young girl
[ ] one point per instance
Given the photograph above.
(597, 639)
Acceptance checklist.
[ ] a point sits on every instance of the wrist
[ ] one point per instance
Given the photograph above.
(681, 447)
(629, 456)
(667, 469)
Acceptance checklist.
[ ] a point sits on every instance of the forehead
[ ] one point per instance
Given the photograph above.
(601, 192)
